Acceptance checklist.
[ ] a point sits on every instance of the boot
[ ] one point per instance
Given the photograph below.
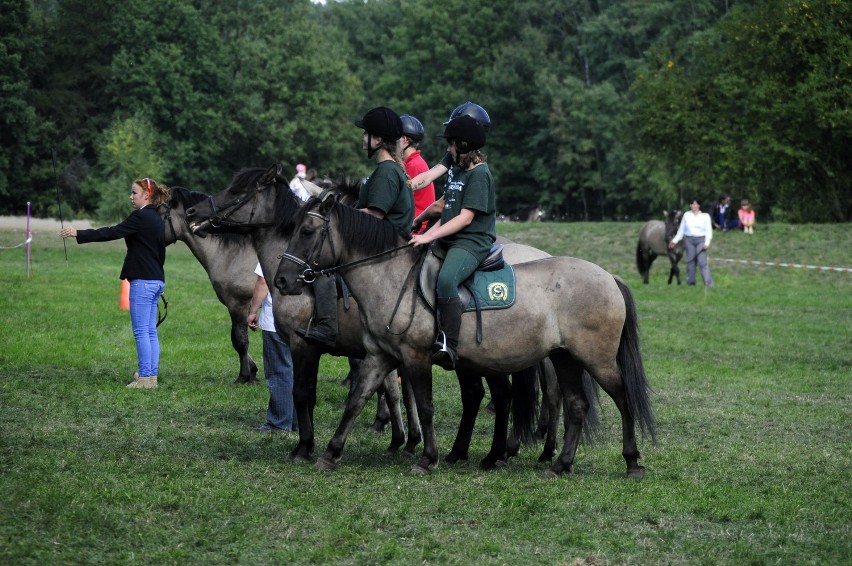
(323, 327)
(444, 350)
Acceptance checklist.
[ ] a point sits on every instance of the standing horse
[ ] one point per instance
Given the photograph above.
(256, 202)
(567, 309)
(654, 238)
(229, 261)
(257, 229)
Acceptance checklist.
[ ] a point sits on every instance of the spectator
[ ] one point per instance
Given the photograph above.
(746, 214)
(696, 231)
(277, 361)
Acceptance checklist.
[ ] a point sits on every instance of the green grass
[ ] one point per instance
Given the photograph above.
(752, 394)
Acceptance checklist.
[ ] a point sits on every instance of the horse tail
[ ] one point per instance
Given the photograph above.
(632, 369)
(592, 422)
(640, 258)
(525, 404)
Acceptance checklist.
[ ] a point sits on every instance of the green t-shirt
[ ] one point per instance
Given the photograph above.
(472, 189)
(385, 190)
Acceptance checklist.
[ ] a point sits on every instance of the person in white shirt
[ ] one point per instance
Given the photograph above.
(696, 231)
(296, 182)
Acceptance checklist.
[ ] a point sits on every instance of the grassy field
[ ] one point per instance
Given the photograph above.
(752, 393)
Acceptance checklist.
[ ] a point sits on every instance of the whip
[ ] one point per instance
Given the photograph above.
(59, 204)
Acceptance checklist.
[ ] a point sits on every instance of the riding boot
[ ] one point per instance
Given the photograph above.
(444, 350)
(323, 327)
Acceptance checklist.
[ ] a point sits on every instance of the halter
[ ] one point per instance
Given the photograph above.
(218, 221)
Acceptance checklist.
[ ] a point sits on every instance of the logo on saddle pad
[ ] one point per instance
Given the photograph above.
(498, 291)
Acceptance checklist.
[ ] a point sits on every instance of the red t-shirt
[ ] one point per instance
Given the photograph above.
(414, 165)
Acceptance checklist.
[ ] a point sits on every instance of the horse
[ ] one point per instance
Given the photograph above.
(305, 355)
(272, 203)
(229, 262)
(654, 238)
(567, 309)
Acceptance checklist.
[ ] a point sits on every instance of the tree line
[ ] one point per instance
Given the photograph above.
(600, 109)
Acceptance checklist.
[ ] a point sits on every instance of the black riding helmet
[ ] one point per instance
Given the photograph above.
(382, 122)
(469, 131)
(412, 128)
(473, 110)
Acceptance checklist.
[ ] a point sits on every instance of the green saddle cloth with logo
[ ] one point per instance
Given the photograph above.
(491, 289)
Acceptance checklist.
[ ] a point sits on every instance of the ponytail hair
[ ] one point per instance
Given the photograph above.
(157, 193)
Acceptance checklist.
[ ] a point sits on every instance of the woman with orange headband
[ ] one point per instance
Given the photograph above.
(144, 234)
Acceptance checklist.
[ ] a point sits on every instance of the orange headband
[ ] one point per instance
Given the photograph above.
(150, 190)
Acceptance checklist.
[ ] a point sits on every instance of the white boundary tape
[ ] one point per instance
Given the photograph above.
(782, 264)
(28, 240)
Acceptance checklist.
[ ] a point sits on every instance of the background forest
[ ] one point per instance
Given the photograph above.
(601, 109)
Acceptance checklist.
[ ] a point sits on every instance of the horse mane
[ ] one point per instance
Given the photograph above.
(186, 197)
(363, 232)
(286, 204)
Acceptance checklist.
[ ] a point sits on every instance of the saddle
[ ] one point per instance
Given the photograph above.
(490, 287)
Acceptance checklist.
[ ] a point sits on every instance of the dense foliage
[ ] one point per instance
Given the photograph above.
(601, 109)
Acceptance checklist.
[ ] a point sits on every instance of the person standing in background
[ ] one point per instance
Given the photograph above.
(296, 182)
(696, 231)
(144, 235)
(277, 361)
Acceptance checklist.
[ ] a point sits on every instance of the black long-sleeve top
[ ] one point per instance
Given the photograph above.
(144, 234)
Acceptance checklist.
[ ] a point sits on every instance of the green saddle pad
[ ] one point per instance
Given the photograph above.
(493, 289)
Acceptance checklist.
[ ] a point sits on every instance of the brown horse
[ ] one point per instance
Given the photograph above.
(654, 238)
(567, 309)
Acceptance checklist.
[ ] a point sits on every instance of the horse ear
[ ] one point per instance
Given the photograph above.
(327, 200)
(270, 174)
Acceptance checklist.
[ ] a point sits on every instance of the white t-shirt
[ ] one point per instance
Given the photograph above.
(697, 225)
(299, 189)
(265, 321)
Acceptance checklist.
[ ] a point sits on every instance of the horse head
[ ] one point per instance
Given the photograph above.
(255, 198)
(672, 219)
(173, 212)
(311, 245)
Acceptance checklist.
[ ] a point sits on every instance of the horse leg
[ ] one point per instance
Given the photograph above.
(240, 342)
(501, 394)
(675, 270)
(383, 414)
(371, 374)
(551, 407)
(391, 398)
(418, 372)
(569, 371)
(472, 393)
(305, 369)
(415, 436)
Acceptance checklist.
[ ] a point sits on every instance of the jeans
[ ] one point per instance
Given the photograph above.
(144, 294)
(278, 368)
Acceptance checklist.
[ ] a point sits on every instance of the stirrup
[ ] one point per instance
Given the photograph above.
(442, 354)
(314, 335)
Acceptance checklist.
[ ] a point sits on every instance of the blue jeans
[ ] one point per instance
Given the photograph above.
(144, 294)
(278, 368)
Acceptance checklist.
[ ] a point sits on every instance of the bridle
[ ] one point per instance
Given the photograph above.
(310, 274)
(218, 219)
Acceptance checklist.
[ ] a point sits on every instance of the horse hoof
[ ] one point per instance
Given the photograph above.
(550, 474)
(301, 459)
(419, 470)
(501, 463)
(325, 464)
(636, 473)
(378, 428)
